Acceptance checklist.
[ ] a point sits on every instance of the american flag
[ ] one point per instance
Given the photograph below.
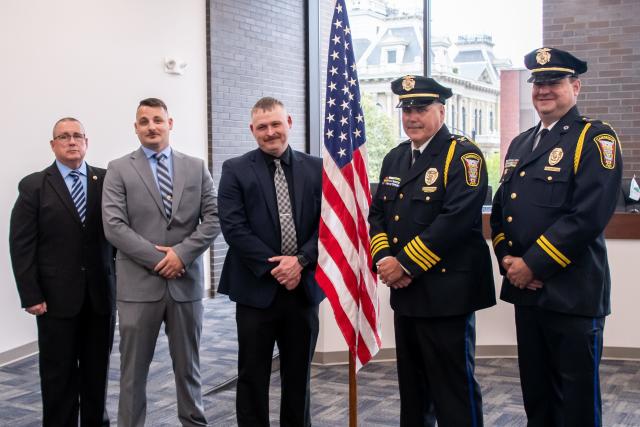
(344, 261)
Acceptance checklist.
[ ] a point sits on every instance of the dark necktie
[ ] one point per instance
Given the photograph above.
(164, 182)
(77, 194)
(539, 138)
(289, 244)
(414, 156)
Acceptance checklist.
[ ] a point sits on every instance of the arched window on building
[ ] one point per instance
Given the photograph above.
(464, 120)
(454, 116)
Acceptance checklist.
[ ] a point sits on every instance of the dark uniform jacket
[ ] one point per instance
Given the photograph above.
(55, 257)
(429, 217)
(551, 210)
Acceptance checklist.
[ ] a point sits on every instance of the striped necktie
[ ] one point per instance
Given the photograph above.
(78, 196)
(164, 182)
(289, 244)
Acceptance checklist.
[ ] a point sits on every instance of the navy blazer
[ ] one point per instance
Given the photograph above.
(250, 225)
(429, 216)
(552, 208)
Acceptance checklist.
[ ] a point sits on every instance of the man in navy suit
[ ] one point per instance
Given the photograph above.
(269, 203)
(64, 271)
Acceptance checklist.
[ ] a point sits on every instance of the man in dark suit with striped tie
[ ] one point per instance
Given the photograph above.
(63, 267)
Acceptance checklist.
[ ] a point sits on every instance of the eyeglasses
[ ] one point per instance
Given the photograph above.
(65, 137)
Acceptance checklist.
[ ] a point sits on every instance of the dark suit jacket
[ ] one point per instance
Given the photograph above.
(55, 257)
(551, 209)
(250, 225)
(429, 216)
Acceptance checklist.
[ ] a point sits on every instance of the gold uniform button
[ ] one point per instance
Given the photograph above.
(395, 240)
(396, 218)
(549, 178)
(509, 219)
(384, 198)
(444, 270)
(510, 243)
(523, 173)
(514, 195)
(401, 196)
(427, 198)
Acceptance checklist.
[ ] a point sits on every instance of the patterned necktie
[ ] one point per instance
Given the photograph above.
(539, 138)
(287, 226)
(414, 156)
(164, 182)
(77, 194)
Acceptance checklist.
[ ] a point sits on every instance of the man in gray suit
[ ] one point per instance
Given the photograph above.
(160, 212)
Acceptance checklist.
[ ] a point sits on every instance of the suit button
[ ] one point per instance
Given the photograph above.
(401, 196)
(510, 243)
(509, 219)
(384, 198)
(514, 195)
(549, 178)
(395, 240)
(523, 173)
(427, 198)
(444, 270)
(396, 218)
(168, 227)
(83, 269)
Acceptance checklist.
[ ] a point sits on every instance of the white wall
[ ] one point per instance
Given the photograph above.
(93, 61)
(496, 325)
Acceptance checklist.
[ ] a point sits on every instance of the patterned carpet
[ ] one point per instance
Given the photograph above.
(377, 386)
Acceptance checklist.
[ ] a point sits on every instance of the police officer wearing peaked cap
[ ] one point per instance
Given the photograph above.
(558, 191)
(427, 246)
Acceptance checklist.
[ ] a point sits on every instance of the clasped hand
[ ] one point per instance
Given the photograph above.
(171, 266)
(519, 273)
(392, 274)
(288, 272)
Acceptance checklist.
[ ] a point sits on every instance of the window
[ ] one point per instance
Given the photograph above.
(391, 57)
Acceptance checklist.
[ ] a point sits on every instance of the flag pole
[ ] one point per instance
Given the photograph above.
(353, 391)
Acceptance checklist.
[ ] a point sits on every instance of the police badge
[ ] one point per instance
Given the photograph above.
(430, 176)
(555, 156)
(408, 83)
(543, 56)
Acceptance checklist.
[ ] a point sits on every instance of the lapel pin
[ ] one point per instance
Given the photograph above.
(95, 178)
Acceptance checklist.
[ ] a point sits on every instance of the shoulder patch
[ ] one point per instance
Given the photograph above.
(607, 146)
(472, 166)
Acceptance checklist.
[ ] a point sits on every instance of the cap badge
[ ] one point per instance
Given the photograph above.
(408, 83)
(543, 56)
(555, 156)
(431, 176)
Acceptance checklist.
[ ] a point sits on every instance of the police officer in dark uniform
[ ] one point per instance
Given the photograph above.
(559, 188)
(427, 246)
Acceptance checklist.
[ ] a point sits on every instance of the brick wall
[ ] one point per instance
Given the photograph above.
(509, 109)
(257, 48)
(606, 34)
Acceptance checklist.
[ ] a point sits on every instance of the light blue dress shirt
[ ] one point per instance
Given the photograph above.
(153, 162)
(68, 179)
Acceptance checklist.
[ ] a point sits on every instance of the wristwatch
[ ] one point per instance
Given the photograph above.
(302, 260)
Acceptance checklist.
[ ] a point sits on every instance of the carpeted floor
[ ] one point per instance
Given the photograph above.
(377, 386)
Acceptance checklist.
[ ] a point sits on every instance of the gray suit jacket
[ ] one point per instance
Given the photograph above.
(134, 222)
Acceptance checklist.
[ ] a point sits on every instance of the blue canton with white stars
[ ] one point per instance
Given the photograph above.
(344, 120)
